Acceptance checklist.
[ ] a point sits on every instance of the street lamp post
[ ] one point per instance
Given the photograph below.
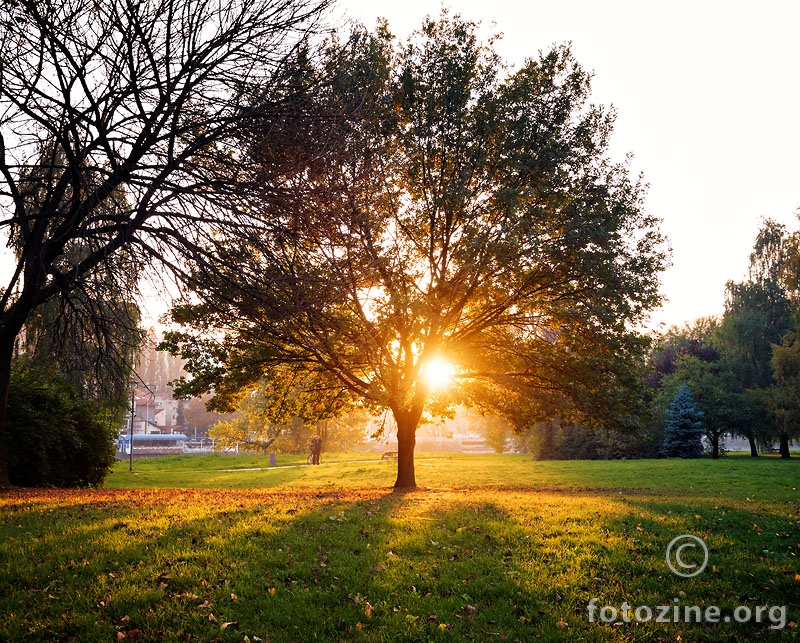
(130, 427)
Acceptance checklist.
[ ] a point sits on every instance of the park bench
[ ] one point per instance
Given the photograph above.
(389, 455)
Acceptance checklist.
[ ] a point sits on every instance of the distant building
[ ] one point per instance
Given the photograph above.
(155, 413)
(151, 445)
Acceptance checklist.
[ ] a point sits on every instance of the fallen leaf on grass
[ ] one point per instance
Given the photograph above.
(234, 625)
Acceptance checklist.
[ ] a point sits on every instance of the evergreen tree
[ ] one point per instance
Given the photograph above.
(684, 430)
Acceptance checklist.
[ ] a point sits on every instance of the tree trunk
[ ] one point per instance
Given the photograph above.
(714, 439)
(784, 448)
(407, 421)
(753, 449)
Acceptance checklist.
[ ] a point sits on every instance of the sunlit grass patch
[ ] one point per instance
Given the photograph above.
(513, 558)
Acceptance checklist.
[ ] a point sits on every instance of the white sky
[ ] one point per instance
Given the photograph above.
(707, 95)
(708, 101)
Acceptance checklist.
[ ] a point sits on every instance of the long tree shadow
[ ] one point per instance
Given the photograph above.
(370, 564)
(390, 567)
(289, 566)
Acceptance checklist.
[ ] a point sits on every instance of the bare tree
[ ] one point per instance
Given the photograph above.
(140, 97)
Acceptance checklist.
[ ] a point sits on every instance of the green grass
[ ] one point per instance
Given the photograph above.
(224, 548)
(767, 477)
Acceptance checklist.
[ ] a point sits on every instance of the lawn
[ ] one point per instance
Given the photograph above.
(226, 548)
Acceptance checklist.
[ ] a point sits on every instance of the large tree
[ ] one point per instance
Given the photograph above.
(91, 333)
(758, 314)
(140, 95)
(442, 211)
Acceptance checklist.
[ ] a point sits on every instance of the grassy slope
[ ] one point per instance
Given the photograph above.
(493, 548)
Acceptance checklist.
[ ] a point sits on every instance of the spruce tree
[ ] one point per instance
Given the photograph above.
(684, 430)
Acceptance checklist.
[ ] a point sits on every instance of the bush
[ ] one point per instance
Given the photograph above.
(54, 438)
(556, 441)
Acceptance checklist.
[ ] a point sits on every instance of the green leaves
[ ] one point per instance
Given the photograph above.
(54, 437)
(425, 202)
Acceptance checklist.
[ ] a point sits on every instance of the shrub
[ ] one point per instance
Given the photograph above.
(55, 438)
(557, 441)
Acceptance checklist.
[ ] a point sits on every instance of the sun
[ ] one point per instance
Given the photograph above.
(438, 373)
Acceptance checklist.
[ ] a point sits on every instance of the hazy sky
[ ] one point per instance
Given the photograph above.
(707, 95)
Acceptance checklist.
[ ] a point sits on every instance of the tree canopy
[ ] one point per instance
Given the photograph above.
(742, 365)
(116, 131)
(433, 206)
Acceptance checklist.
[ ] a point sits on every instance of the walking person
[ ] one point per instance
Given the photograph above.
(316, 449)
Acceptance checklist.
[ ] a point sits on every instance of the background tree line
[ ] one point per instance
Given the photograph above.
(741, 369)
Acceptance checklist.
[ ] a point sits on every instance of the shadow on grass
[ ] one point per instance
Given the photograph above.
(749, 553)
(371, 565)
(292, 566)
